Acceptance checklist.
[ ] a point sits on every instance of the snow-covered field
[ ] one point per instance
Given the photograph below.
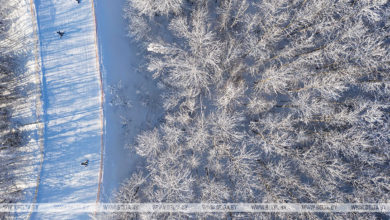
(72, 97)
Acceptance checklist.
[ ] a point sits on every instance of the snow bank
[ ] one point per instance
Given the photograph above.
(131, 98)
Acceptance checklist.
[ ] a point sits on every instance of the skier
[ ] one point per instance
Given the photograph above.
(78, 1)
(85, 163)
(61, 33)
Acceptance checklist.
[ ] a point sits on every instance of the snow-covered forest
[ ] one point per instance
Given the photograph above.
(10, 138)
(265, 101)
(194, 101)
(19, 105)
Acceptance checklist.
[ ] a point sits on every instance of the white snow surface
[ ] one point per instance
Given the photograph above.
(73, 123)
(136, 94)
(72, 98)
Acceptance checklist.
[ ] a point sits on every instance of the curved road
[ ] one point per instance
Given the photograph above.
(72, 105)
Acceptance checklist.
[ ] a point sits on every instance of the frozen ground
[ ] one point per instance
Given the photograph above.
(72, 98)
(133, 97)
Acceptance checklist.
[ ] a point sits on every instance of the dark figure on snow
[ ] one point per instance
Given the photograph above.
(78, 1)
(85, 163)
(61, 33)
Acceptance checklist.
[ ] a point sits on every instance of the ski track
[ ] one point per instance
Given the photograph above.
(72, 105)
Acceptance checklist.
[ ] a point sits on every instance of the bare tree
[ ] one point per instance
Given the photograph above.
(15, 89)
(159, 7)
(270, 101)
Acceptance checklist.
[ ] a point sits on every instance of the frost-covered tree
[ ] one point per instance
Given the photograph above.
(156, 7)
(268, 101)
(15, 89)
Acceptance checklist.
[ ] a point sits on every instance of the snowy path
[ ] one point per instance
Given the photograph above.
(72, 96)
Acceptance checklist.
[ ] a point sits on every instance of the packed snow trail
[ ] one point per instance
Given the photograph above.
(73, 113)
